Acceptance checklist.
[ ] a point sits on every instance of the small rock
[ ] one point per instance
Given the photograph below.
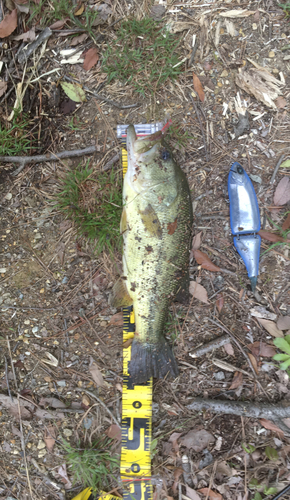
(271, 54)
(35, 329)
(41, 444)
(42, 290)
(157, 12)
(26, 322)
(67, 432)
(224, 73)
(219, 375)
(256, 178)
(103, 323)
(3, 270)
(86, 400)
(41, 453)
(254, 26)
(61, 383)
(8, 196)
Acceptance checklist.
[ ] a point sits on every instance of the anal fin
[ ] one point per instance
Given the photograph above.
(120, 296)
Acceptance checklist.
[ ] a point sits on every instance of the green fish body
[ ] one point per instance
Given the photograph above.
(156, 227)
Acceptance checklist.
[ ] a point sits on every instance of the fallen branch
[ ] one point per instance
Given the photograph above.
(210, 346)
(26, 52)
(268, 411)
(22, 160)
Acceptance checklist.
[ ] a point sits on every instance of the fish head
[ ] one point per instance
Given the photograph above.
(150, 162)
(238, 175)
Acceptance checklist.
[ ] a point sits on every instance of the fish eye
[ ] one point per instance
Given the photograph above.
(165, 154)
(240, 170)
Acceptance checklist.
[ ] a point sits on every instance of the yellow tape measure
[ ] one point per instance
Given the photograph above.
(135, 466)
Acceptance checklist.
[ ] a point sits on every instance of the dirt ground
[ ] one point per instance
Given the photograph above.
(55, 315)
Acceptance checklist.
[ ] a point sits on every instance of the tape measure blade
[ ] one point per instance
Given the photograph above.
(138, 490)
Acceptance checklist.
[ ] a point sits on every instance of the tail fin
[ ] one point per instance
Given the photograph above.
(153, 360)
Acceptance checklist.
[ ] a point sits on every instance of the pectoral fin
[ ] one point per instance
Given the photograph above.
(151, 221)
(120, 296)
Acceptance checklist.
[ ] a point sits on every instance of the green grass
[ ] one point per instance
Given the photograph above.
(14, 139)
(62, 9)
(177, 137)
(93, 201)
(143, 54)
(282, 233)
(92, 467)
(285, 7)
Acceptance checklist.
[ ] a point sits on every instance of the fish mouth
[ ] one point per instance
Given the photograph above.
(137, 145)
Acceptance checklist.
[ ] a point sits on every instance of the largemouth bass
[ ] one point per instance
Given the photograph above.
(156, 227)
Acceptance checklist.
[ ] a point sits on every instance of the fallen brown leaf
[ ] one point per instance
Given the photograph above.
(198, 291)
(271, 327)
(79, 10)
(173, 439)
(196, 242)
(50, 437)
(3, 87)
(64, 477)
(282, 193)
(117, 319)
(229, 349)
(213, 495)
(58, 25)
(205, 262)
(271, 426)
(261, 349)
(9, 24)
(28, 36)
(286, 223)
(96, 374)
(253, 362)
(198, 87)
(197, 440)
(91, 58)
(78, 39)
(267, 235)
(176, 474)
(114, 432)
(283, 322)
(219, 302)
(53, 402)
(192, 494)
(237, 380)
(281, 102)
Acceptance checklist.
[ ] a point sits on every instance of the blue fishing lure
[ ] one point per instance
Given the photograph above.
(245, 220)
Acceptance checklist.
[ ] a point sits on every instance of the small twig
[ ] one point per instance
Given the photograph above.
(31, 47)
(276, 169)
(210, 346)
(245, 458)
(20, 420)
(93, 329)
(49, 157)
(101, 403)
(111, 162)
(7, 379)
(201, 127)
(242, 408)
(211, 479)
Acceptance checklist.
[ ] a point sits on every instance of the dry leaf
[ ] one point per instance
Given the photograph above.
(237, 380)
(261, 349)
(58, 25)
(3, 87)
(229, 349)
(198, 87)
(9, 24)
(286, 223)
(281, 102)
(79, 10)
(271, 426)
(237, 13)
(78, 39)
(91, 58)
(117, 319)
(172, 227)
(271, 327)
(192, 494)
(177, 473)
(50, 437)
(114, 432)
(173, 439)
(51, 359)
(273, 237)
(212, 495)
(197, 440)
(219, 302)
(205, 262)
(283, 323)
(53, 402)
(63, 474)
(29, 36)
(196, 242)
(96, 374)
(198, 291)
(253, 362)
(282, 193)
(260, 83)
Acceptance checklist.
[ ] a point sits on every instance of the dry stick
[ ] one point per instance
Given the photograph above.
(223, 327)
(7, 380)
(210, 346)
(111, 162)
(101, 403)
(31, 47)
(245, 458)
(276, 169)
(40, 158)
(20, 420)
(246, 409)
(201, 127)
